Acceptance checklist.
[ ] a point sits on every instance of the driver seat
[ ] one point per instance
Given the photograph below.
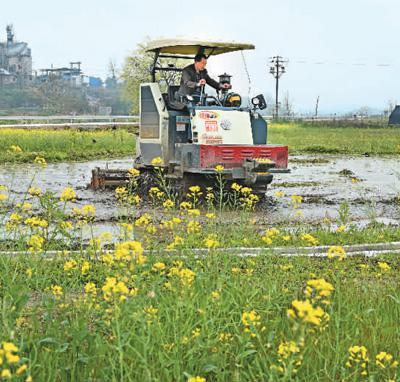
(172, 103)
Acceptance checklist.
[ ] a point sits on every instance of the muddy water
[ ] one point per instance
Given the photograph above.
(368, 184)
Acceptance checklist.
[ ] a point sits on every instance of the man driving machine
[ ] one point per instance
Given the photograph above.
(194, 77)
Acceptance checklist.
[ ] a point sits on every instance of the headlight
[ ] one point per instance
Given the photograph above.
(259, 101)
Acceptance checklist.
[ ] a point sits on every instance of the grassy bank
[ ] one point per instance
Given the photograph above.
(64, 145)
(308, 138)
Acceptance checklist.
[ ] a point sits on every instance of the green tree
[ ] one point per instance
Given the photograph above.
(136, 70)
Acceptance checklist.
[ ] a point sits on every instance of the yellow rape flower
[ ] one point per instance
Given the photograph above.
(157, 161)
(385, 267)
(385, 361)
(193, 227)
(15, 149)
(309, 239)
(196, 379)
(336, 252)
(219, 168)
(68, 194)
(35, 243)
(40, 161)
(70, 265)
(305, 312)
(134, 172)
(168, 204)
(158, 266)
(6, 374)
(57, 291)
(35, 191)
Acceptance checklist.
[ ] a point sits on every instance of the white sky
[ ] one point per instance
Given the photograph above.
(341, 43)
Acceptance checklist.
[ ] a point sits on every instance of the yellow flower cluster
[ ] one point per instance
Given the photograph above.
(3, 196)
(251, 321)
(319, 290)
(289, 357)
(121, 193)
(114, 289)
(159, 266)
(156, 193)
(133, 172)
(287, 349)
(341, 229)
(35, 243)
(269, 235)
(40, 161)
(10, 362)
(305, 312)
(178, 241)
(35, 191)
(236, 187)
(196, 379)
(57, 291)
(185, 275)
(168, 204)
(157, 161)
(15, 149)
(219, 168)
(309, 239)
(70, 265)
(85, 214)
(35, 221)
(130, 250)
(385, 361)
(385, 267)
(68, 194)
(296, 201)
(210, 242)
(193, 227)
(337, 252)
(358, 358)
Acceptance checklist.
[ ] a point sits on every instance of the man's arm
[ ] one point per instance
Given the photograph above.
(188, 80)
(214, 84)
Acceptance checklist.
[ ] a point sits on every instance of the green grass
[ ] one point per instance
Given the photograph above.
(328, 139)
(124, 315)
(77, 338)
(64, 145)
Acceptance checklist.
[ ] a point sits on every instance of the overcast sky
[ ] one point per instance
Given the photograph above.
(344, 51)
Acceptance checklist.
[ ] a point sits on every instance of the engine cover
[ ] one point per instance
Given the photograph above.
(221, 126)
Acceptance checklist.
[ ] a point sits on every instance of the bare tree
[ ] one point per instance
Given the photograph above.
(287, 105)
(137, 70)
(390, 105)
(316, 107)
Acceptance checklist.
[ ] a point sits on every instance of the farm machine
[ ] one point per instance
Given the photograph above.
(210, 130)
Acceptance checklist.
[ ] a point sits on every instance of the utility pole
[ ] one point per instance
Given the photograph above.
(277, 68)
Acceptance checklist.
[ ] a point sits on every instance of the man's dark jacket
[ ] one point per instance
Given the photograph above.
(190, 78)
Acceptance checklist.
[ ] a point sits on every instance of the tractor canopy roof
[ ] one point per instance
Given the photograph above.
(185, 47)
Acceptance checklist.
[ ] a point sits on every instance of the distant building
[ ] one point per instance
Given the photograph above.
(15, 59)
(73, 75)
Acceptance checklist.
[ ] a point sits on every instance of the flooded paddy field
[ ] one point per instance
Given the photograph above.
(369, 185)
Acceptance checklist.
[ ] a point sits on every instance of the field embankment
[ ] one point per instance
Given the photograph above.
(332, 138)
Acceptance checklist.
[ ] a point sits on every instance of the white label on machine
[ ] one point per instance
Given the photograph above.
(216, 127)
(182, 122)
